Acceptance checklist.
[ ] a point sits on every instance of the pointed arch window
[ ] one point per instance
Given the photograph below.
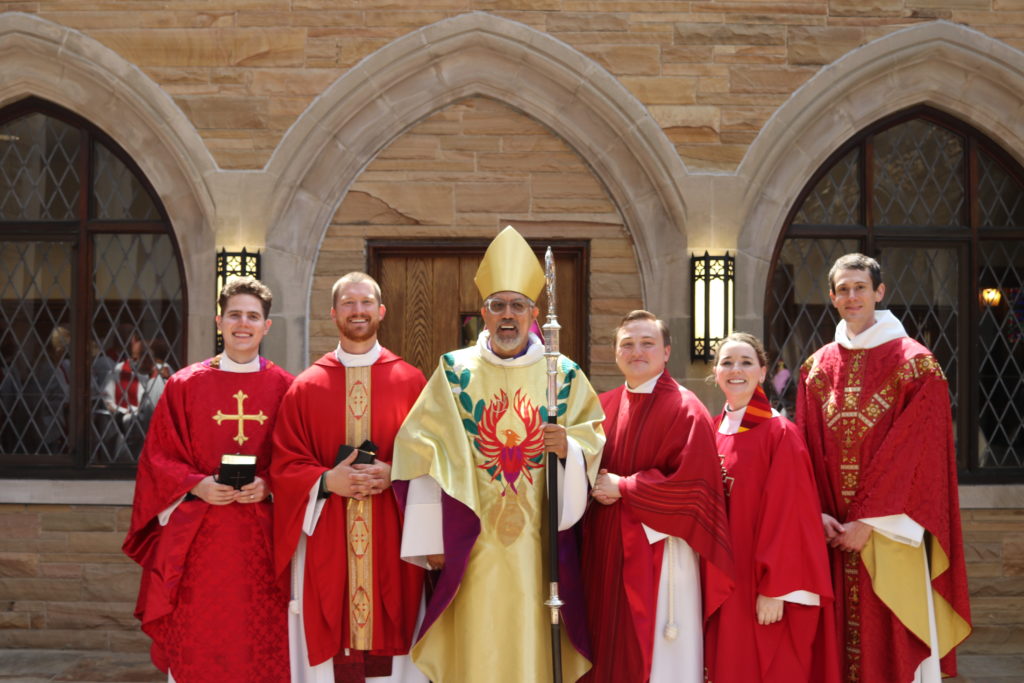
(92, 300)
(942, 208)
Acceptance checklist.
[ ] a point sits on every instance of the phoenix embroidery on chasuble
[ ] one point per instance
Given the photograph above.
(508, 454)
(510, 443)
(510, 459)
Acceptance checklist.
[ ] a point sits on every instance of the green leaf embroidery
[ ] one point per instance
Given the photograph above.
(543, 414)
(452, 378)
(478, 412)
(564, 393)
(448, 359)
(466, 401)
(562, 407)
(470, 427)
(464, 381)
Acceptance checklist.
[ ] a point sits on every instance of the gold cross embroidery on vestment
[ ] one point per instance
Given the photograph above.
(241, 417)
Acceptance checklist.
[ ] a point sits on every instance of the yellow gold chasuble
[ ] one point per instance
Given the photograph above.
(477, 430)
(359, 516)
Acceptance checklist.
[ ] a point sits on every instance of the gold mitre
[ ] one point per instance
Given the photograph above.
(509, 265)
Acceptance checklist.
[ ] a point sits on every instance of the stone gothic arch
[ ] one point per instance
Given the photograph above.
(64, 66)
(947, 66)
(478, 54)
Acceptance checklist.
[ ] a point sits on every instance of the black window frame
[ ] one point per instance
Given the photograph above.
(967, 237)
(80, 232)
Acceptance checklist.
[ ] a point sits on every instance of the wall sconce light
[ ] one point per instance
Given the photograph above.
(713, 279)
(991, 296)
(229, 264)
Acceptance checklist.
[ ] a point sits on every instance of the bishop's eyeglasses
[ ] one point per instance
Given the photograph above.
(517, 306)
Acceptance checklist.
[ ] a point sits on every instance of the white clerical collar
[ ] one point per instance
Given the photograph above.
(228, 365)
(534, 352)
(645, 388)
(732, 420)
(358, 360)
(886, 328)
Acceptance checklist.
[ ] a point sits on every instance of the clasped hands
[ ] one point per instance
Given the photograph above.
(850, 537)
(606, 488)
(358, 481)
(215, 493)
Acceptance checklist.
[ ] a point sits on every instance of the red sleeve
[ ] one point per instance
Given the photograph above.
(808, 420)
(296, 464)
(688, 501)
(166, 469)
(909, 471)
(791, 554)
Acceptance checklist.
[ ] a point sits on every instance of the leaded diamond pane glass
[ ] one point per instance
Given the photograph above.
(921, 285)
(918, 176)
(835, 200)
(38, 177)
(1000, 197)
(116, 191)
(800, 318)
(1001, 356)
(35, 346)
(137, 330)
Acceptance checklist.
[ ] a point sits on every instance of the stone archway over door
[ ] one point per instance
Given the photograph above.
(433, 305)
(480, 54)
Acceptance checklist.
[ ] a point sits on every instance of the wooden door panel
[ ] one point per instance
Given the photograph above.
(429, 291)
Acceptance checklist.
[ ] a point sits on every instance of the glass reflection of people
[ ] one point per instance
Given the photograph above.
(157, 371)
(780, 380)
(50, 384)
(766, 630)
(109, 444)
(125, 390)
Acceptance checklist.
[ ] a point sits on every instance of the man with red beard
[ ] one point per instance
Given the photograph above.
(337, 526)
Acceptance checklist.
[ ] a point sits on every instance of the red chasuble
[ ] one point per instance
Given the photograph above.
(663, 446)
(778, 548)
(310, 429)
(209, 596)
(879, 430)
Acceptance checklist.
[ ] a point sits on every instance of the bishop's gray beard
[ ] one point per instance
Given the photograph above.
(508, 345)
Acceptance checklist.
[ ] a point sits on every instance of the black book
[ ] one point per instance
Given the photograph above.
(237, 470)
(366, 452)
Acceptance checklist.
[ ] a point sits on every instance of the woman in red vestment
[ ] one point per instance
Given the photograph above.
(768, 628)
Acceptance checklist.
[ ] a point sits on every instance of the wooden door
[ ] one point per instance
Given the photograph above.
(434, 307)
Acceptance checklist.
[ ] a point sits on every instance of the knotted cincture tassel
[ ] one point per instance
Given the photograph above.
(293, 604)
(671, 628)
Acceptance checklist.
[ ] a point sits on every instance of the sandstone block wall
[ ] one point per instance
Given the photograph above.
(710, 72)
(64, 583)
(467, 171)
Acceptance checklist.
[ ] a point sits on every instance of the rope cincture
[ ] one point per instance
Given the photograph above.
(671, 628)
